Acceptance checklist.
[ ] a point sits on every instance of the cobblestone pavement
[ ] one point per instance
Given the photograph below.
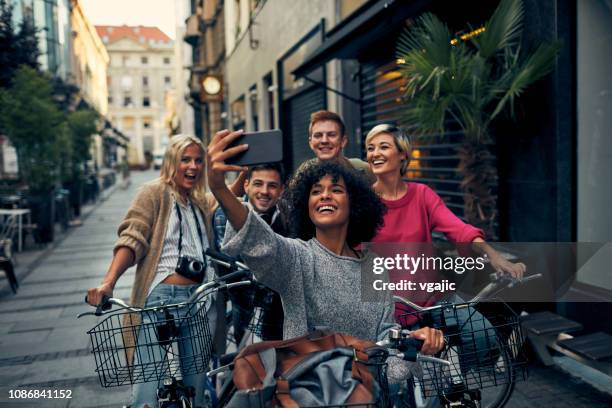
(43, 345)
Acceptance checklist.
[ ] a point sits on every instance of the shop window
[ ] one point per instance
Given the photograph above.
(238, 113)
(269, 100)
(254, 107)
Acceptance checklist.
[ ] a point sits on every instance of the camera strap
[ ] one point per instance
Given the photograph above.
(180, 217)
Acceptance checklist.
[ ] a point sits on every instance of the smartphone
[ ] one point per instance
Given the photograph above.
(264, 147)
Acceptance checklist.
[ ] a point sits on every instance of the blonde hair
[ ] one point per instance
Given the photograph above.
(172, 158)
(402, 142)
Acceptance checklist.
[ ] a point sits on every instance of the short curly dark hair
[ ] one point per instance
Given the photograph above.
(366, 210)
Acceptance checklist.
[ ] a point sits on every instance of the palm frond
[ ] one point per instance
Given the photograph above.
(502, 30)
(540, 63)
(429, 36)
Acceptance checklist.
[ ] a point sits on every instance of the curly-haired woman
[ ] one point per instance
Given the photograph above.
(318, 275)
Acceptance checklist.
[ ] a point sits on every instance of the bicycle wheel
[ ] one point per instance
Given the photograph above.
(495, 395)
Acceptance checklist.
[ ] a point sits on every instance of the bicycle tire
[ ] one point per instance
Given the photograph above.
(505, 390)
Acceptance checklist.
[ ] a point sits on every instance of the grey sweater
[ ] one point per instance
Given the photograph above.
(317, 287)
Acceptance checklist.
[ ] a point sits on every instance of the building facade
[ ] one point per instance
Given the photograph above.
(52, 19)
(90, 72)
(140, 75)
(183, 114)
(205, 33)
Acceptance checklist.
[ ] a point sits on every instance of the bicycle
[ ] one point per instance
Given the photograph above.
(133, 345)
(484, 350)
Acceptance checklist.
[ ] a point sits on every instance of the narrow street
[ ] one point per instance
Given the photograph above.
(43, 345)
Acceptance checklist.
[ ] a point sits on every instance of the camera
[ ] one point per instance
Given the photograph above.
(190, 268)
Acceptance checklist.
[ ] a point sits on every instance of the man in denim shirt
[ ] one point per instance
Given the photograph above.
(263, 187)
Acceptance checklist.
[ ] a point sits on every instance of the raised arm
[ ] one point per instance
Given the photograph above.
(216, 155)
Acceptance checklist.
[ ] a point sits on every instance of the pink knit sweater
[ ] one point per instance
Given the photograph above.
(411, 219)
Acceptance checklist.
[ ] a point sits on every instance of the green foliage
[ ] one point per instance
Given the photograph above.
(82, 125)
(34, 125)
(17, 47)
(470, 82)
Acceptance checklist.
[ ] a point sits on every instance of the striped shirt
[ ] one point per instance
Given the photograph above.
(192, 246)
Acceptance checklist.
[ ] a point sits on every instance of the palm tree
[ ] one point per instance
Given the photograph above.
(469, 81)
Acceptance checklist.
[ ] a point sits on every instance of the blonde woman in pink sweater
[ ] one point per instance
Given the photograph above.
(414, 210)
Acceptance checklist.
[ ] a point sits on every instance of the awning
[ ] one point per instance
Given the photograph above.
(114, 135)
(361, 32)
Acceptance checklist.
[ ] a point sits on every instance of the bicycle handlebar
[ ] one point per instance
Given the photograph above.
(224, 260)
(409, 347)
(240, 276)
(213, 286)
(498, 281)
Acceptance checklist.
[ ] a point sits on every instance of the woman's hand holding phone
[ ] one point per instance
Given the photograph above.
(216, 155)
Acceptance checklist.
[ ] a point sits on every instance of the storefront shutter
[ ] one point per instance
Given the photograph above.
(434, 161)
(298, 109)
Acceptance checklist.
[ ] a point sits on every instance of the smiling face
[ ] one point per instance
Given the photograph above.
(264, 188)
(326, 140)
(383, 155)
(328, 203)
(189, 169)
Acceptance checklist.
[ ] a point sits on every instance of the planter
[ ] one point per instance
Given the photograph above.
(76, 195)
(42, 206)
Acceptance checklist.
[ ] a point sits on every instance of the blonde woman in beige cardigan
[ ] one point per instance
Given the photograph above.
(172, 206)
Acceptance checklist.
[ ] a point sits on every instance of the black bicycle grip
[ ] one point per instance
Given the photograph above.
(410, 347)
(227, 358)
(103, 306)
(236, 276)
(221, 257)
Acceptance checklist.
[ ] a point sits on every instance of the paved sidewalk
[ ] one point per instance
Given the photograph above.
(44, 346)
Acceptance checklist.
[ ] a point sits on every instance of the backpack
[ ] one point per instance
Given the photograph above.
(320, 368)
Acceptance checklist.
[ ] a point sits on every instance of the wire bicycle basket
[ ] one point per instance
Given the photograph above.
(485, 350)
(152, 344)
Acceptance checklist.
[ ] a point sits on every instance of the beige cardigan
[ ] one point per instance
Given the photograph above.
(143, 231)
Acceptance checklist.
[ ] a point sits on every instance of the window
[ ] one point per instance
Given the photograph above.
(254, 107)
(127, 101)
(147, 123)
(269, 100)
(127, 123)
(145, 81)
(146, 101)
(166, 61)
(144, 60)
(110, 100)
(126, 82)
(167, 80)
(238, 113)
(125, 60)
